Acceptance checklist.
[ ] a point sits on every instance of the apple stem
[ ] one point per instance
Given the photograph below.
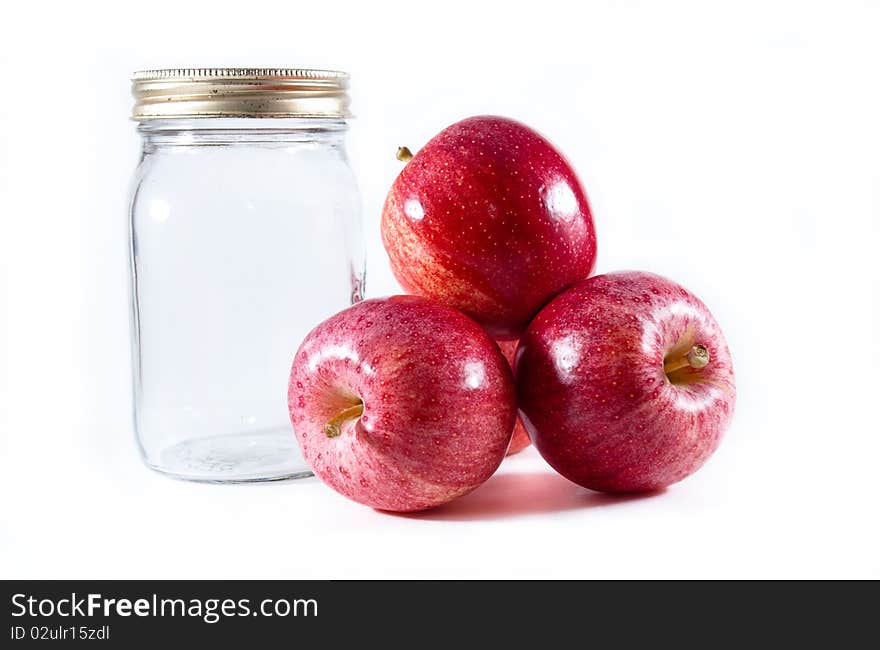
(404, 154)
(697, 357)
(333, 427)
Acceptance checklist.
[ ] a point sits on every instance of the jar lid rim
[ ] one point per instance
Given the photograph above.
(239, 92)
(238, 73)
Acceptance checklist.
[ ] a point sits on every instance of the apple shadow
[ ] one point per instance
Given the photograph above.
(513, 494)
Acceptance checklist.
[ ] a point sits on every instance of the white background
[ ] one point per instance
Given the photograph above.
(730, 146)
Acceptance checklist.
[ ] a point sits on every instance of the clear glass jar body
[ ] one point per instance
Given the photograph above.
(245, 234)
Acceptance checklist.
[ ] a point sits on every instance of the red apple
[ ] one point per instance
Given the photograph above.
(401, 404)
(491, 219)
(520, 439)
(625, 383)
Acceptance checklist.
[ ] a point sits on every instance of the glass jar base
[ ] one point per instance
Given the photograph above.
(237, 458)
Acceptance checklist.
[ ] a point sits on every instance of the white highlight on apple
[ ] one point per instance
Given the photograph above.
(561, 201)
(414, 210)
(566, 352)
(696, 402)
(332, 352)
(474, 374)
(678, 312)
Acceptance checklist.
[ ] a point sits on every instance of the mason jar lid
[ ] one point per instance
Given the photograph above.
(239, 92)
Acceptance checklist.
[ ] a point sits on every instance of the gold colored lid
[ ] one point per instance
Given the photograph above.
(239, 92)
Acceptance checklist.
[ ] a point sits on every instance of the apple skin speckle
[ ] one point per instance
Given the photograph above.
(593, 393)
(490, 218)
(439, 403)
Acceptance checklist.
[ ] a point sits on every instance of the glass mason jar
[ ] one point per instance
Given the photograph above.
(245, 234)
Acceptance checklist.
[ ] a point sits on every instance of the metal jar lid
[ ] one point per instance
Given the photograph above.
(239, 92)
